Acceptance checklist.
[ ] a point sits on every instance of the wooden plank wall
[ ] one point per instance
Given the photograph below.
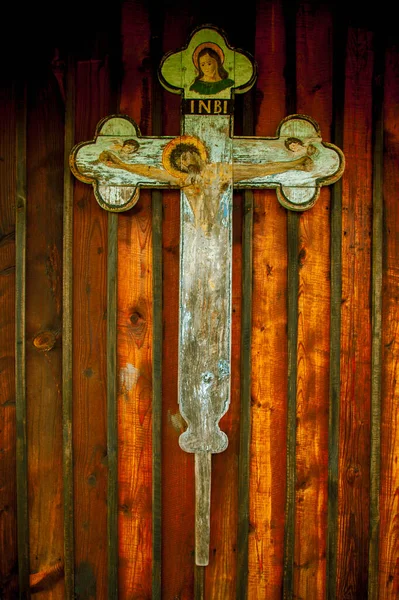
(96, 497)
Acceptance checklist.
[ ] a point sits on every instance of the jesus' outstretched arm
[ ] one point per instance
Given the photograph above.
(111, 160)
(250, 171)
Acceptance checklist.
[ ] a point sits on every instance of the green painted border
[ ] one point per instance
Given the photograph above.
(67, 347)
(112, 408)
(20, 343)
(376, 319)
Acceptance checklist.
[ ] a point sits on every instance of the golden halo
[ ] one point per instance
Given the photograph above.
(183, 139)
(211, 45)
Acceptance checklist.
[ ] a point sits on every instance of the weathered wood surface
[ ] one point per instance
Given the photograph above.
(20, 340)
(134, 402)
(43, 330)
(89, 366)
(389, 539)
(269, 332)
(135, 334)
(8, 541)
(267, 480)
(67, 330)
(354, 455)
(314, 79)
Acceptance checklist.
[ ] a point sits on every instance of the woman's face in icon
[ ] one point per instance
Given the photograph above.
(209, 67)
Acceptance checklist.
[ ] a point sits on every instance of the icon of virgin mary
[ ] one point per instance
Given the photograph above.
(212, 77)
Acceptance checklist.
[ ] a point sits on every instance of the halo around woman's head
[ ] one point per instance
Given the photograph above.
(190, 140)
(210, 45)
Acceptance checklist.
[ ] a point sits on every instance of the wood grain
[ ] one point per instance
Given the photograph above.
(135, 328)
(134, 399)
(89, 339)
(354, 456)
(43, 324)
(67, 346)
(157, 327)
(112, 408)
(376, 316)
(314, 78)
(337, 131)
(8, 540)
(135, 100)
(20, 340)
(389, 532)
(269, 331)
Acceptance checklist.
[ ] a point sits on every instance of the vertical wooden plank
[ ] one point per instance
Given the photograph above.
(389, 499)
(112, 422)
(157, 395)
(114, 56)
(354, 450)
(245, 421)
(269, 330)
(67, 342)
(245, 375)
(178, 486)
(292, 322)
(135, 323)
(8, 511)
(292, 284)
(157, 332)
(89, 344)
(20, 348)
(314, 78)
(339, 47)
(45, 165)
(376, 316)
(135, 387)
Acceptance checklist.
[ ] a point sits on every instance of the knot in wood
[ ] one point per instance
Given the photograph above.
(44, 341)
(137, 319)
(352, 474)
(302, 256)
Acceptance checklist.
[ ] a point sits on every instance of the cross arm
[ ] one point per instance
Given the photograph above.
(296, 162)
(119, 161)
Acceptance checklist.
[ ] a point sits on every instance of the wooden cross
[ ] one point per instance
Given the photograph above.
(206, 162)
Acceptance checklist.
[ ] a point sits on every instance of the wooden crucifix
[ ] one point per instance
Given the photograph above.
(206, 162)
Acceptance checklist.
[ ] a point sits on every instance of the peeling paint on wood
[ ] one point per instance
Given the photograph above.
(128, 377)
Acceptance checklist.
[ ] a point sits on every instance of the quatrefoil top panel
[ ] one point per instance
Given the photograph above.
(207, 67)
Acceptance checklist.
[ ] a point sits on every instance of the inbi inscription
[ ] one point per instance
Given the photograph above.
(208, 106)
